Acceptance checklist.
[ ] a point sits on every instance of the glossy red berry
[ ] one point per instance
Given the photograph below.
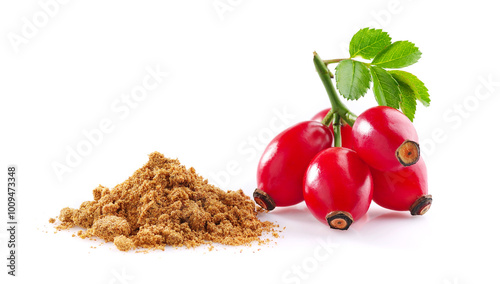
(402, 190)
(338, 187)
(385, 139)
(282, 166)
(345, 129)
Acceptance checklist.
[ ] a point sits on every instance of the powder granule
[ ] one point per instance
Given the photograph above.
(109, 227)
(123, 243)
(163, 203)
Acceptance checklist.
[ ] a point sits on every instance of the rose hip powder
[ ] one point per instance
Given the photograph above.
(165, 204)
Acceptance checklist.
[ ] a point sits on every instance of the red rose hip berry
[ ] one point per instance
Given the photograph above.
(405, 189)
(385, 139)
(282, 166)
(338, 187)
(345, 129)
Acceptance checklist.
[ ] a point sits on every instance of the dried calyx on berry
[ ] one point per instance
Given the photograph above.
(339, 220)
(408, 153)
(263, 200)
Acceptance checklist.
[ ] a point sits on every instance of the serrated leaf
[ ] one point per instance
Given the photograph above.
(397, 55)
(353, 79)
(417, 86)
(408, 102)
(385, 88)
(368, 42)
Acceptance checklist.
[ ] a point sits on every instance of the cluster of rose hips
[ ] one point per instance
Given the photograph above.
(379, 160)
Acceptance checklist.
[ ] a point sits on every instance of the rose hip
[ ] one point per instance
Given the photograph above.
(345, 129)
(385, 139)
(405, 189)
(282, 166)
(338, 187)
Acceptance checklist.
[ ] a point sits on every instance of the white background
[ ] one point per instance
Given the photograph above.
(231, 75)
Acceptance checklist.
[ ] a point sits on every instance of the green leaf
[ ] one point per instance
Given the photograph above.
(417, 86)
(353, 79)
(408, 101)
(368, 42)
(397, 55)
(385, 88)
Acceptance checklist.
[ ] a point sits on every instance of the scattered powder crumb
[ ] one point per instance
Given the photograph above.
(165, 204)
(52, 220)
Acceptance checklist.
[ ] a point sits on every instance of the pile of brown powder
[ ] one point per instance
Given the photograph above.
(163, 203)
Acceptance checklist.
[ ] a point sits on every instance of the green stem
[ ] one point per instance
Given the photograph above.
(328, 118)
(329, 61)
(337, 105)
(337, 136)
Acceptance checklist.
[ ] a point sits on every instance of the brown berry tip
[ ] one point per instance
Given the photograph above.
(421, 205)
(263, 199)
(339, 220)
(408, 153)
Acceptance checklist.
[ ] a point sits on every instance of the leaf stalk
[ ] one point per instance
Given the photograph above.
(337, 106)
